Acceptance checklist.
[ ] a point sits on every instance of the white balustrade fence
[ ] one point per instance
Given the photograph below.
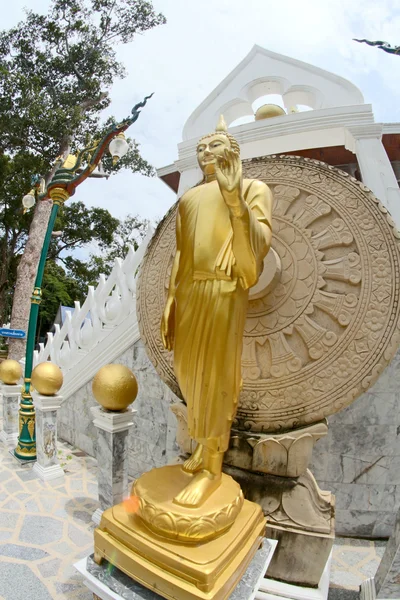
(105, 308)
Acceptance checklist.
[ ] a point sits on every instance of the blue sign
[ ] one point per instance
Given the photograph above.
(12, 333)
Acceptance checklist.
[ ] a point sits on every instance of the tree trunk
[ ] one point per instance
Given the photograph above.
(4, 267)
(26, 275)
(3, 302)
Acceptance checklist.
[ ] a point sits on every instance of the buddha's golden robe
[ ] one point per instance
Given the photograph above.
(221, 257)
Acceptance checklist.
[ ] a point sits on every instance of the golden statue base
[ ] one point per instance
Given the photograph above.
(156, 491)
(199, 570)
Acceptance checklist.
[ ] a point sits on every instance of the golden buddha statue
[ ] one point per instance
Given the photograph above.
(223, 233)
(187, 532)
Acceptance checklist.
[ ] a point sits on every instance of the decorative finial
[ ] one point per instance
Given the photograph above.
(268, 111)
(115, 387)
(10, 371)
(47, 378)
(221, 125)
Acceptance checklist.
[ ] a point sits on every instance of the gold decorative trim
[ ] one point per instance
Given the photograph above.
(59, 195)
(36, 297)
(155, 491)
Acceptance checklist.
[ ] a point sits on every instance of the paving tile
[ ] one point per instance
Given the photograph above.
(354, 557)
(78, 537)
(61, 489)
(49, 568)
(22, 552)
(55, 483)
(64, 548)
(32, 506)
(9, 520)
(92, 488)
(64, 588)
(27, 475)
(13, 486)
(18, 582)
(76, 484)
(40, 530)
(12, 504)
(345, 579)
(48, 502)
(22, 495)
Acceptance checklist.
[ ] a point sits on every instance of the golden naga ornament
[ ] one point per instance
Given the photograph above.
(323, 321)
(193, 534)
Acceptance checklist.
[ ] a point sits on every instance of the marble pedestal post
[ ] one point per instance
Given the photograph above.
(11, 399)
(386, 583)
(112, 456)
(47, 466)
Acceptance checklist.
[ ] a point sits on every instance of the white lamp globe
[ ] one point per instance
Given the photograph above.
(28, 201)
(118, 147)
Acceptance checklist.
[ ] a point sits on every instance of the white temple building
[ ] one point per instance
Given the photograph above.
(339, 129)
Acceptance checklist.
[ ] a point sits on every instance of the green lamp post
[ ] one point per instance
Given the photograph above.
(68, 176)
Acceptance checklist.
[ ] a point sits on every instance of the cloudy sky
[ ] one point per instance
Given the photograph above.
(184, 60)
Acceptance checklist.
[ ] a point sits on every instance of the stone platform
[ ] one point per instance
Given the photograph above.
(108, 582)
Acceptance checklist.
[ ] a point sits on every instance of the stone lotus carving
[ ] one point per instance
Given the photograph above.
(187, 524)
(297, 504)
(326, 329)
(288, 454)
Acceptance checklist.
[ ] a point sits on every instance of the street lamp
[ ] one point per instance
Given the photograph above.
(118, 147)
(29, 200)
(68, 176)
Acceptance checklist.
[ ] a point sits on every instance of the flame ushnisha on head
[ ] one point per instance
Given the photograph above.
(222, 129)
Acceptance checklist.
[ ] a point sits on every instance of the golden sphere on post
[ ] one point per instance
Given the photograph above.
(47, 378)
(10, 371)
(115, 387)
(267, 111)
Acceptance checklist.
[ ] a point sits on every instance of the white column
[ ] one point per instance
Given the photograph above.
(376, 170)
(112, 456)
(11, 398)
(47, 465)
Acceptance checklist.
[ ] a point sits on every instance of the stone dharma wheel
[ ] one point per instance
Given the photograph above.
(323, 322)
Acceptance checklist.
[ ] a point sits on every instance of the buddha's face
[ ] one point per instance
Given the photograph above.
(208, 150)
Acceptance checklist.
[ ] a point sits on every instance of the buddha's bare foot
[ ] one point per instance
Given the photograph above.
(199, 489)
(195, 462)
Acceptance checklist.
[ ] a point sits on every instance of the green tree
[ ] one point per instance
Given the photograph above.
(56, 71)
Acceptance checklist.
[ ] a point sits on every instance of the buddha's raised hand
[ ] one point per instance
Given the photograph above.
(228, 170)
